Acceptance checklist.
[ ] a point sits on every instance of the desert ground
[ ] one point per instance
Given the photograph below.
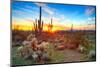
(29, 47)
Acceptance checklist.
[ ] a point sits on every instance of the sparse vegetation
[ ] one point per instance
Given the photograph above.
(69, 40)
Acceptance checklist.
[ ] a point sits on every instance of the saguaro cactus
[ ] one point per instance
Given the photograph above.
(42, 26)
(40, 22)
(38, 25)
(35, 25)
(72, 27)
(50, 26)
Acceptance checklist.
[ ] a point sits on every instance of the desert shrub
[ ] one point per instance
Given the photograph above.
(75, 39)
(54, 54)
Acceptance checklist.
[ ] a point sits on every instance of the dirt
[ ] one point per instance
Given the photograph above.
(72, 55)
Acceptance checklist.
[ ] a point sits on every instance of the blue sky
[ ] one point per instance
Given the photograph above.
(61, 14)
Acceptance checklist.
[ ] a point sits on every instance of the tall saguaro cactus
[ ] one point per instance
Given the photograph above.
(38, 25)
(40, 14)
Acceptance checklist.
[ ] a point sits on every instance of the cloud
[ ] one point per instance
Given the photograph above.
(89, 11)
(27, 10)
(46, 8)
(23, 11)
(18, 12)
(40, 4)
(91, 19)
(62, 17)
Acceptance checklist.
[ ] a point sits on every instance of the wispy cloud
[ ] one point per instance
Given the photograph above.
(89, 11)
(46, 8)
(91, 19)
(40, 4)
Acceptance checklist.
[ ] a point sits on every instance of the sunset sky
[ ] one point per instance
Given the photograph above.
(63, 15)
